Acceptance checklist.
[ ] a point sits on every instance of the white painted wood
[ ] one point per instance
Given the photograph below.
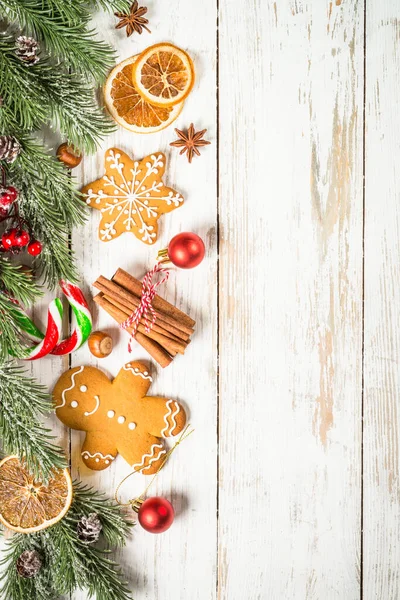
(288, 482)
(382, 301)
(291, 99)
(181, 563)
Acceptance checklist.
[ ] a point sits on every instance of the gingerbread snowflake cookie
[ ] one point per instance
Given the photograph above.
(117, 416)
(131, 196)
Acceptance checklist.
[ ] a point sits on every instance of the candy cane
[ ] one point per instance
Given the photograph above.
(50, 341)
(83, 318)
(53, 332)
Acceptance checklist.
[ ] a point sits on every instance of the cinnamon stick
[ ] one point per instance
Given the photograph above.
(134, 286)
(128, 312)
(169, 345)
(158, 353)
(132, 302)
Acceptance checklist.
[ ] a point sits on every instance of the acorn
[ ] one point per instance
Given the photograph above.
(100, 344)
(68, 155)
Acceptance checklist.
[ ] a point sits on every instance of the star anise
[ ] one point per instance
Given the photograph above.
(190, 141)
(134, 21)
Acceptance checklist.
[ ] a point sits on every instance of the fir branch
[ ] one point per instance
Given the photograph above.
(115, 526)
(49, 93)
(17, 283)
(68, 563)
(22, 402)
(56, 261)
(10, 340)
(46, 186)
(112, 5)
(84, 566)
(73, 44)
(50, 203)
(15, 587)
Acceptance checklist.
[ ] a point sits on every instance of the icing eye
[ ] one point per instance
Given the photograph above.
(83, 388)
(110, 414)
(74, 404)
(121, 420)
(132, 426)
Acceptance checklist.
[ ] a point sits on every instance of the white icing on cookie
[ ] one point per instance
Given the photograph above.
(87, 454)
(132, 426)
(151, 454)
(136, 371)
(111, 414)
(87, 414)
(70, 388)
(83, 388)
(74, 404)
(121, 419)
(169, 404)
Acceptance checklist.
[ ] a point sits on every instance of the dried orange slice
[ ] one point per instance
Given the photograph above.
(27, 505)
(127, 106)
(163, 75)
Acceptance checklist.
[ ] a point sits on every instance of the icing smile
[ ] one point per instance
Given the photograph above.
(97, 399)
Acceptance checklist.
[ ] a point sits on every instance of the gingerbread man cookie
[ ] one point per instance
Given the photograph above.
(117, 416)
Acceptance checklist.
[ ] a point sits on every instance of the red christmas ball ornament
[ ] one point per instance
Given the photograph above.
(35, 248)
(156, 515)
(21, 238)
(186, 250)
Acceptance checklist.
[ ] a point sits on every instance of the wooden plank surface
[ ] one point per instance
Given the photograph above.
(290, 299)
(181, 563)
(381, 522)
(268, 491)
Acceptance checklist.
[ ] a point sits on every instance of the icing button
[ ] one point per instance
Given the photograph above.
(74, 404)
(121, 420)
(132, 426)
(97, 460)
(83, 388)
(110, 414)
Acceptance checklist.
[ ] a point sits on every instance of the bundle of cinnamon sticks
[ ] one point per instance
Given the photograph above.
(170, 334)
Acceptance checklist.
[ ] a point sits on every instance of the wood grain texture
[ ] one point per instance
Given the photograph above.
(268, 490)
(381, 523)
(181, 563)
(291, 103)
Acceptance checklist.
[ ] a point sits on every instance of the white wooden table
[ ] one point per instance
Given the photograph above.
(289, 489)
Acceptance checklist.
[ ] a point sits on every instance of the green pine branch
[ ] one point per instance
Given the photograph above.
(50, 203)
(17, 283)
(69, 563)
(22, 404)
(67, 40)
(50, 93)
(14, 285)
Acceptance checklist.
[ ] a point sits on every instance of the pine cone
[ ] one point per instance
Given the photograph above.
(27, 49)
(29, 564)
(10, 148)
(89, 528)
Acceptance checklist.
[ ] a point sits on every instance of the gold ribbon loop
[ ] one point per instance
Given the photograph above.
(137, 502)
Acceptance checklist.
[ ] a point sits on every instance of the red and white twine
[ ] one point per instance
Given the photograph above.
(145, 308)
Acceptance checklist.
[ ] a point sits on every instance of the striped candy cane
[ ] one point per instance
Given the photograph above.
(51, 342)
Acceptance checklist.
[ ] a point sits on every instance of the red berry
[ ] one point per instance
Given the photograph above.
(21, 238)
(12, 191)
(6, 200)
(35, 248)
(8, 238)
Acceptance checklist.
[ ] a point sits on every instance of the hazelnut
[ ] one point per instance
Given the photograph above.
(100, 344)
